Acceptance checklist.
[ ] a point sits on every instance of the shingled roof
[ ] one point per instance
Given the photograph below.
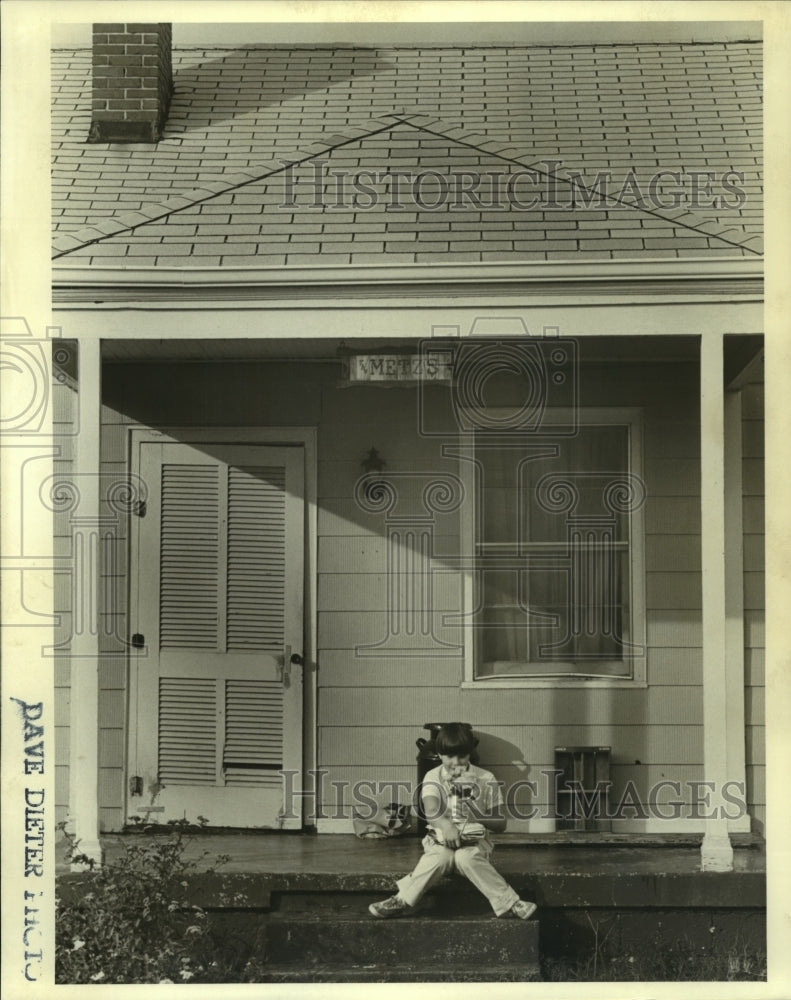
(265, 149)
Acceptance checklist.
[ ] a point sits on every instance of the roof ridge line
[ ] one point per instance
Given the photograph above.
(67, 243)
(497, 147)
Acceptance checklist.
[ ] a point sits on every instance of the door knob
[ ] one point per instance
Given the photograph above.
(297, 660)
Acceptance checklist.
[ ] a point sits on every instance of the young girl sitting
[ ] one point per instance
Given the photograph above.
(461, 803)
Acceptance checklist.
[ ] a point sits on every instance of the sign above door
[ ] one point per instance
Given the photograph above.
(428, 366)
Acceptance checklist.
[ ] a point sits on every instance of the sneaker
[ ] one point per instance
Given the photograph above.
(392, 907)
(522, 909)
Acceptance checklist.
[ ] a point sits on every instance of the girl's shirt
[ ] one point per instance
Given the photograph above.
(474, 786)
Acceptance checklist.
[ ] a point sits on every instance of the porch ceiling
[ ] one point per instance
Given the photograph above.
(738, 350)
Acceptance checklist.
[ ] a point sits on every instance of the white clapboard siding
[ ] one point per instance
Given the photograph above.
(673, 628)
(349, 629)
(754, 591)
(347, 668)
(395, 745)
(672, 515)
(678, 591)
(667, 667)
(347, 517)
(671, 439)
(189, 557)
(336, 479)
(488, 707)
(673, 476)
(61, 786)
(753, 508)
(358, 787)
(396, 441)
(108, 779)
(63, 709)
(754, 667)
(368, 591)
(111, 747)
(753, 438)
(753, 476)
(350, 423)
(188, 730)
(754, 553)
(756, 784)
(672, 553)
(112, 708)
(367, 553)
(256, 569)
(675, 667)
(110, 819)
(754, 596)
(755, 745)
(754, 629)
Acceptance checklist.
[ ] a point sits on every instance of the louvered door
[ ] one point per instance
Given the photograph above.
(218, 598)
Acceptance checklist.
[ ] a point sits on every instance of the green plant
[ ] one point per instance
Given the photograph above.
(135, 922)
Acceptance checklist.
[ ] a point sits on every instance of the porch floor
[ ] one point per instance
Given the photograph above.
(555, 871)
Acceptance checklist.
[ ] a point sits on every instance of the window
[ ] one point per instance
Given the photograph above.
(557, 587)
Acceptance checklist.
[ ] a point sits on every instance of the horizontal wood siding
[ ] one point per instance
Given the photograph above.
(754, 601)
(372, 707)
(371, 710)
(524, 786)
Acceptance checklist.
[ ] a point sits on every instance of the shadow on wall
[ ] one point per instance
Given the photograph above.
(505, 760)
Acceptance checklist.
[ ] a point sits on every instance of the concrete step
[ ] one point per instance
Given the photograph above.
(420, 943)
(374, 974)
(456, 899)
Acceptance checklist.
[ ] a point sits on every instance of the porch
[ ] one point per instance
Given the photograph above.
(304, 898)
(690, 708)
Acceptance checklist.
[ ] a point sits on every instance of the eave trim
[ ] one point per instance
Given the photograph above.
(668, 278)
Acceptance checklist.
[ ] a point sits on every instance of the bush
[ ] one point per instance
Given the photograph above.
(135, 923)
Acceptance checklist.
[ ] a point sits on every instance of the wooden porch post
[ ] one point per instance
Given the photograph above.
(734, 605)
(716, 850)
(84, 721)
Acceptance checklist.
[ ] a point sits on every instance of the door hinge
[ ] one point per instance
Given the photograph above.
(140, 508)
(138, 640)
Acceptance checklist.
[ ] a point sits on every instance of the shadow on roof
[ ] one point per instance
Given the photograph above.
(243, 82)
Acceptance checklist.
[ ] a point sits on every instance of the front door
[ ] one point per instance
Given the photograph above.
(217, 613)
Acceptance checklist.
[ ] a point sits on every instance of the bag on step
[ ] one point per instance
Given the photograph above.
(389, 820)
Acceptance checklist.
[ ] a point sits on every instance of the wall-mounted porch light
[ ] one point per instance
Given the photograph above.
(373, 461)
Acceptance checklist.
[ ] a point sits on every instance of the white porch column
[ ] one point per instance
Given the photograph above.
(734, 607)
(84, 721)
(716, 851)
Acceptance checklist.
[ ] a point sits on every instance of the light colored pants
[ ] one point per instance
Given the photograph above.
(472, 862)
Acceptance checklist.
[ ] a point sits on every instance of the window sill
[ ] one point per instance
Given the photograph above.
(555, 682)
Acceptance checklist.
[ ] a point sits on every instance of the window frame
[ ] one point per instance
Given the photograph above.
(632, 418)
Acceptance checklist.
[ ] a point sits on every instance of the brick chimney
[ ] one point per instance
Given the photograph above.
(132, 82)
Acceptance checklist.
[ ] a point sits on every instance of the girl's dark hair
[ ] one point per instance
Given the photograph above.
(454, 738)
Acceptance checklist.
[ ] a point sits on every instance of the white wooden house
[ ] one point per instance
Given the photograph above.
(256, 314)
